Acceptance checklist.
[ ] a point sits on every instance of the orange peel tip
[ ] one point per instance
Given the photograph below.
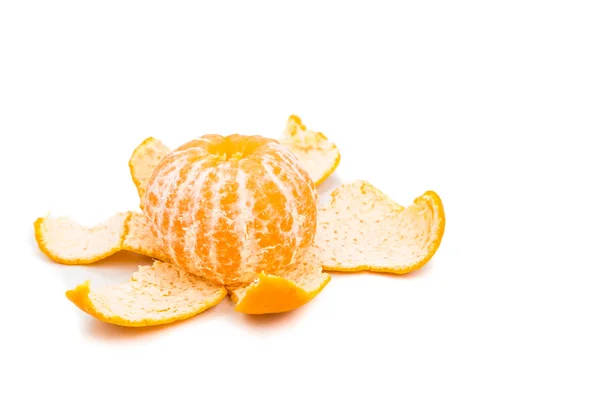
(275, 294)
(144, 160)
(317, 154)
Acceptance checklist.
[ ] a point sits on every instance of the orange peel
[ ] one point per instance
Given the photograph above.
(362, 229)
(317, 154)
(144, 160)
(155, 295)
(275, 294)
(139, 238)
(66, 241)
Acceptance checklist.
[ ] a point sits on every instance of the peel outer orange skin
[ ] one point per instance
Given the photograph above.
(229, 207)
(273, 294)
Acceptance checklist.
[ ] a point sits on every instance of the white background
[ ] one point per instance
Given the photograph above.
(494, 105)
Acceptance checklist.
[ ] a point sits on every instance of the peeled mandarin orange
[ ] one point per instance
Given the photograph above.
(230, 207)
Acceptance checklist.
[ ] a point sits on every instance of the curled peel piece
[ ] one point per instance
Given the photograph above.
(67, 242)
(144, 160)
(155, 295)
(274, 294)
(364, 230)
(316, 153)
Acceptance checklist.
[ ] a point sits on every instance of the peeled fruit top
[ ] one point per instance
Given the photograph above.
(230, 207)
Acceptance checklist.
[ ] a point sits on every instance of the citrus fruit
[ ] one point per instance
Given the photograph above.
(230, 207)
(239, 214)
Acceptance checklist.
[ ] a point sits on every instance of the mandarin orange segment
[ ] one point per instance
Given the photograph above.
(230, 207)
(363, 229)
(274, 294)
(317, 155)
(67, 242)
(155, 295)
(144, 160)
